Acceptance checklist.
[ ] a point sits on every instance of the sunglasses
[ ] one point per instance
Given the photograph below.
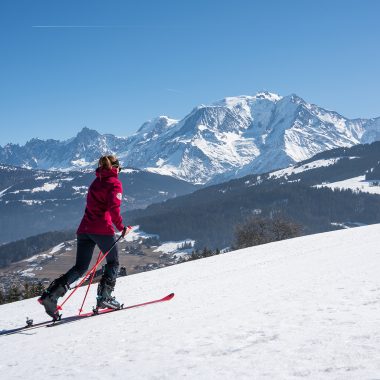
(116, 164)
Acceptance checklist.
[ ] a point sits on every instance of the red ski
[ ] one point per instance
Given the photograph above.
(74, 318)
(106, 311)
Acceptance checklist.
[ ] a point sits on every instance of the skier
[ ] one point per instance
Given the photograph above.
(96, 228)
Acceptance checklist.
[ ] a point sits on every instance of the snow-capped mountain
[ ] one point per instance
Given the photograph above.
(228, 139)
(300, 308)
(76, 153)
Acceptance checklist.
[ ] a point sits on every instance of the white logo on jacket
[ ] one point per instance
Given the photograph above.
(119, 196)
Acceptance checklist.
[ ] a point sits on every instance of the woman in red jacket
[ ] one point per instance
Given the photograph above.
(96, 228)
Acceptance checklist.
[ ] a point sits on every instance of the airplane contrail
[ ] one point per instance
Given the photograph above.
(83, 26)
(110, 26)
(173, 90)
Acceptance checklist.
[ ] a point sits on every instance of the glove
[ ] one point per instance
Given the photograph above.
(125, 231)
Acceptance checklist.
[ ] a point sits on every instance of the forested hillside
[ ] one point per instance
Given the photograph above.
(210, 215)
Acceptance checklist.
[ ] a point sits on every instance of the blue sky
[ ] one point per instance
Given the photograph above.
(112, 65)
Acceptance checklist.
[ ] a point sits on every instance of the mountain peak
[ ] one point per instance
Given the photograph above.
(229, 138)
(87, 133)
(268, 95)
(160, 122)
(233, 101)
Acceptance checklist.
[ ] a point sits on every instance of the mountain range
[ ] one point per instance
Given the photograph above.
(230, 138)
(37, 201)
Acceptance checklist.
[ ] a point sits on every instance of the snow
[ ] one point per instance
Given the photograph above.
(129, 171)
(46, 187)
(136, 234)
(28, 272)
(173, 247)
(357, 184)
(302, 168)
(80, 189)
(57, 248)
(31, 202)
(81, 163)
(8, 168)
(67, 179)
(37, 257)
(267, 132)
(306, 307)
(243, 100)
(2, 192)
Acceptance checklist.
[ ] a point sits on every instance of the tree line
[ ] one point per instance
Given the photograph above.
(20, 292)
(209, 215)
(25, 248)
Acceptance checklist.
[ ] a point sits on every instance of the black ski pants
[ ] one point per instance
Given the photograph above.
(85, 248)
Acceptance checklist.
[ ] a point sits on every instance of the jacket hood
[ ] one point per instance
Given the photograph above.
(105, 173)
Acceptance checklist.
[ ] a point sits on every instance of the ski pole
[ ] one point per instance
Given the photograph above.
(98, 261)
(90, 282)
(59, 307)
(85, 277)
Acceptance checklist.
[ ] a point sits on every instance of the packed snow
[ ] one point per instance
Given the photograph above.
(302, 308)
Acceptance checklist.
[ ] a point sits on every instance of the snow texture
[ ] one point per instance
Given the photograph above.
(302, 308)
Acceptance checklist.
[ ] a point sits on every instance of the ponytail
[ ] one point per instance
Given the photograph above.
(107, 162)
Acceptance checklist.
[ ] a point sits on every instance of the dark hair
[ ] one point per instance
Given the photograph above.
(107, 162)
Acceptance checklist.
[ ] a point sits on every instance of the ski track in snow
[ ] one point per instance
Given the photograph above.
(305, 308)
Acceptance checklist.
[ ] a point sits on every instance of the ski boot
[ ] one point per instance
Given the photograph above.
(104, 298)
(50, 296)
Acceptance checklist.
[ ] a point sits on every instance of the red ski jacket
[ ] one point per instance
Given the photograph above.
(103, 204)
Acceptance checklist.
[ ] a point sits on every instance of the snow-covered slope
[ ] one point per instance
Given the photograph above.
(357, 184)
(230, 138)
(307, 307)
(356, 168)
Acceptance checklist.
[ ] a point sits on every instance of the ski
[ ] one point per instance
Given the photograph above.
(106, 311)
(25, 328)
(74, 318)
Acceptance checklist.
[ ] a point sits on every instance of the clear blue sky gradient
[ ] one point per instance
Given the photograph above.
(111, 65)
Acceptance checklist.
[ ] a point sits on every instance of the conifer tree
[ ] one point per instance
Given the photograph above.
(14, 294)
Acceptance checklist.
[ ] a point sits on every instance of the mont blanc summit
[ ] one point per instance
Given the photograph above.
(229, 138)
